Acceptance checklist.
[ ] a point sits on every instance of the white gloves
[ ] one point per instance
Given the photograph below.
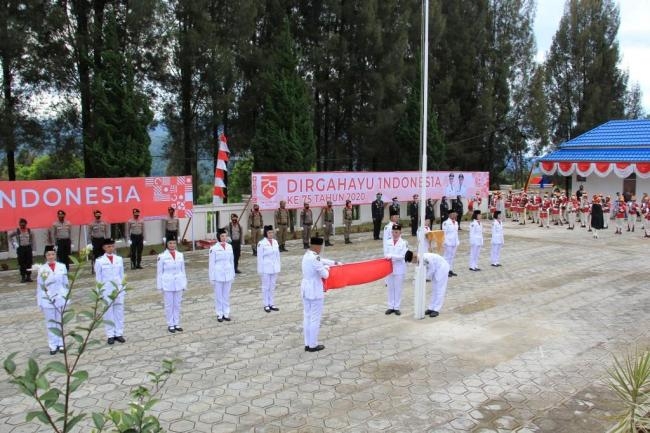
(14, 244)
(164, 239)
(130, 242)
(144, 242)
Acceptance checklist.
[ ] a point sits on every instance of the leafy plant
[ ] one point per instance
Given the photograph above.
(630, 380)
(54, 400)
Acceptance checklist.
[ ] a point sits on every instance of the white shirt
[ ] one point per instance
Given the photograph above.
(497, 232)
(111, 275)
(56, 283)
(268, 256)
(395, 251)
(436, 266)
(475, 233)
(170, 275)
(450, 227)
(314, 270)
(221, 263)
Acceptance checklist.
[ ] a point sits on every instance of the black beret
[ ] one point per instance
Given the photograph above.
(408, 257)
(220, 232)
(397, 227)
(316, 241)
(49, 248)
(109, 241)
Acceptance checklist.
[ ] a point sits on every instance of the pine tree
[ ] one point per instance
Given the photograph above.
(584, 83)
(121, 142)
(284, 137)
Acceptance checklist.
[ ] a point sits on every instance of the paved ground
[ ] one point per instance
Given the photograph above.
(519, 348)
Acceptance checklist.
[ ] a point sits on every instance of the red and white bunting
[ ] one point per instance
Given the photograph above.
(221, 169)
(600, 169)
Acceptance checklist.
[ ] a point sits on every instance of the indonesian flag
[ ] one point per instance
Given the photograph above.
(352, 274)
(223, 155)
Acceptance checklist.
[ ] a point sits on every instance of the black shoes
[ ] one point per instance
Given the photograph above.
(139, 267)
(315, 349)
(329, 244)
(348, 241)
(237, 271)
(433, 313)
(178, 328)
(389, 311)
(111, 340)
(120, 339)
(274, 308)
(226, 318)
(171, 329)
(397, 312)
(452, 274)
(219, 319)
(474, 269)
(54, 351)
(267, 309)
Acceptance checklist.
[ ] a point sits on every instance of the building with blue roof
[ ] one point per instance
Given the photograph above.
(611, 158)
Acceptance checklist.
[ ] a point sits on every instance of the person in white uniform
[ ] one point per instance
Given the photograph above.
(497, 239)
(450, 227)
(314, 270)
(388, 230)
(475, 240)
(436, 270)
(172, 281)
(109, 273)
(268, 267)
(52, 297)
(221, 273)
(394, 250)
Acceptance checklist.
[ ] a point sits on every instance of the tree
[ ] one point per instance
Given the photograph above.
(585, 86)
(633, 103)
(284, 137)
(120, 147)
(18, 22)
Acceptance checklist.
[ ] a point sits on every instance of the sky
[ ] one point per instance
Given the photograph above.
(633, 38)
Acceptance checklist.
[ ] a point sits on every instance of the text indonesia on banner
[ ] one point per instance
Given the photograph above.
(38, 200)
(361, 187)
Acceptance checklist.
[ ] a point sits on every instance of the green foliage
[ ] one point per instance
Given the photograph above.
(51, 386)
(56, 166)
(284, 135)
(120, 147)
(239, 179)
(630, 381)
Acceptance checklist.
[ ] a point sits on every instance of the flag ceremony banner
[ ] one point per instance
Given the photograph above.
(268, 189)
(39, 200)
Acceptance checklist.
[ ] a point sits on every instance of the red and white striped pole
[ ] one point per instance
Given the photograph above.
(223, 155)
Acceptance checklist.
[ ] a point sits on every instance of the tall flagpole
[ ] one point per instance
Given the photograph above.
(419, 286)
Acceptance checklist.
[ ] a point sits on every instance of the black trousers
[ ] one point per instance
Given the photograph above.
(236, 251)
(137, 244)
(25, 257)
(63, 249)
(98, 247)
(414, 226)
(171, 235)
(376, 228)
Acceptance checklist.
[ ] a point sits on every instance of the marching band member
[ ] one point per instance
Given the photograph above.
(621, 211)
(632, 213)
(607, 211)
(596, 216)
(572, 205)
(544, 213)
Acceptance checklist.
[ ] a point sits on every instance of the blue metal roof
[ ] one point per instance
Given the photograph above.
(599, 155)
(614, 141)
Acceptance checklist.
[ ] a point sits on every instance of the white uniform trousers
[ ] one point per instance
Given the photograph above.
(449, 254)
(631, 220)
(495, 254)
(572, 219)
(114, 314)
(173, 301)
(394, 283)
(222, 298)
(268, 288)
(438, 292)
(313, 310)
(53, 315)
(606, 218)
(474, 251)
(619, 224)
